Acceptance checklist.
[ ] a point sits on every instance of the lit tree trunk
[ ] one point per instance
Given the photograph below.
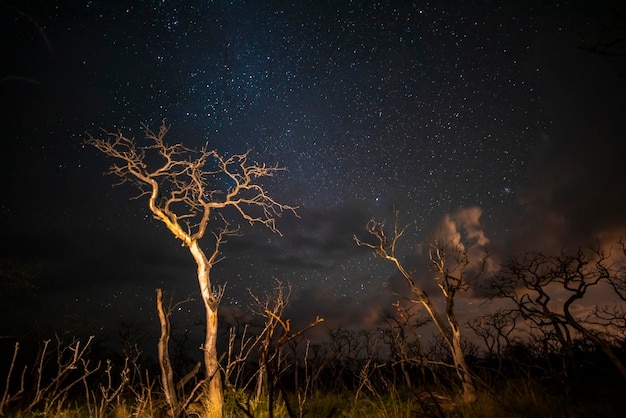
(452, 278)
(167, 375)
(211, 362)
(460, 365)
(214, 385)
(451, 332)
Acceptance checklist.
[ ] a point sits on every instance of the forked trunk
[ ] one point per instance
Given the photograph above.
(451, 334)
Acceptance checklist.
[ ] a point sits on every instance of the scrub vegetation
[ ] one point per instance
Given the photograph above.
(521, 364)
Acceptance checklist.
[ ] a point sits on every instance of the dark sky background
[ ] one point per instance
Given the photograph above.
(484, 110)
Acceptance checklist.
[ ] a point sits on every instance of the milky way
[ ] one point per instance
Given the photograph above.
(353, 100)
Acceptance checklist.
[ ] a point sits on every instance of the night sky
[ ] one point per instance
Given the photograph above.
(487, 111)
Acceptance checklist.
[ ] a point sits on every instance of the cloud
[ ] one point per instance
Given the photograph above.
(463, 231)
(316, 241)
(338, 311)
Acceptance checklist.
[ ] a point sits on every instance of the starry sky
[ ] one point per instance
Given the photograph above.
(486, 111)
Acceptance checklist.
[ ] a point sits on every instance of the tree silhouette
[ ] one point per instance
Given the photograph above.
(547, 289)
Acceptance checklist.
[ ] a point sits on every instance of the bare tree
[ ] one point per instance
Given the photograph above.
(185, 192)
(276, 335)
(496, 330)
(57, 371)
(401, 334)
(547, 289)
(451, 264)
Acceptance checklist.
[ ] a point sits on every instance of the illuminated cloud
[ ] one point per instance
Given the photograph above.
(464, 231)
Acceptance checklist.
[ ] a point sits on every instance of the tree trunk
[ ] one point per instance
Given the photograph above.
(261, 379)
(462, 370)
(213, 389)
(451, 334)
(167, 375)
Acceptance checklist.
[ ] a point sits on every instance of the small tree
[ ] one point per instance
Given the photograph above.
(401, 334)
(496, 330)
(451, 263)
(274, 337)
(186, 192)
